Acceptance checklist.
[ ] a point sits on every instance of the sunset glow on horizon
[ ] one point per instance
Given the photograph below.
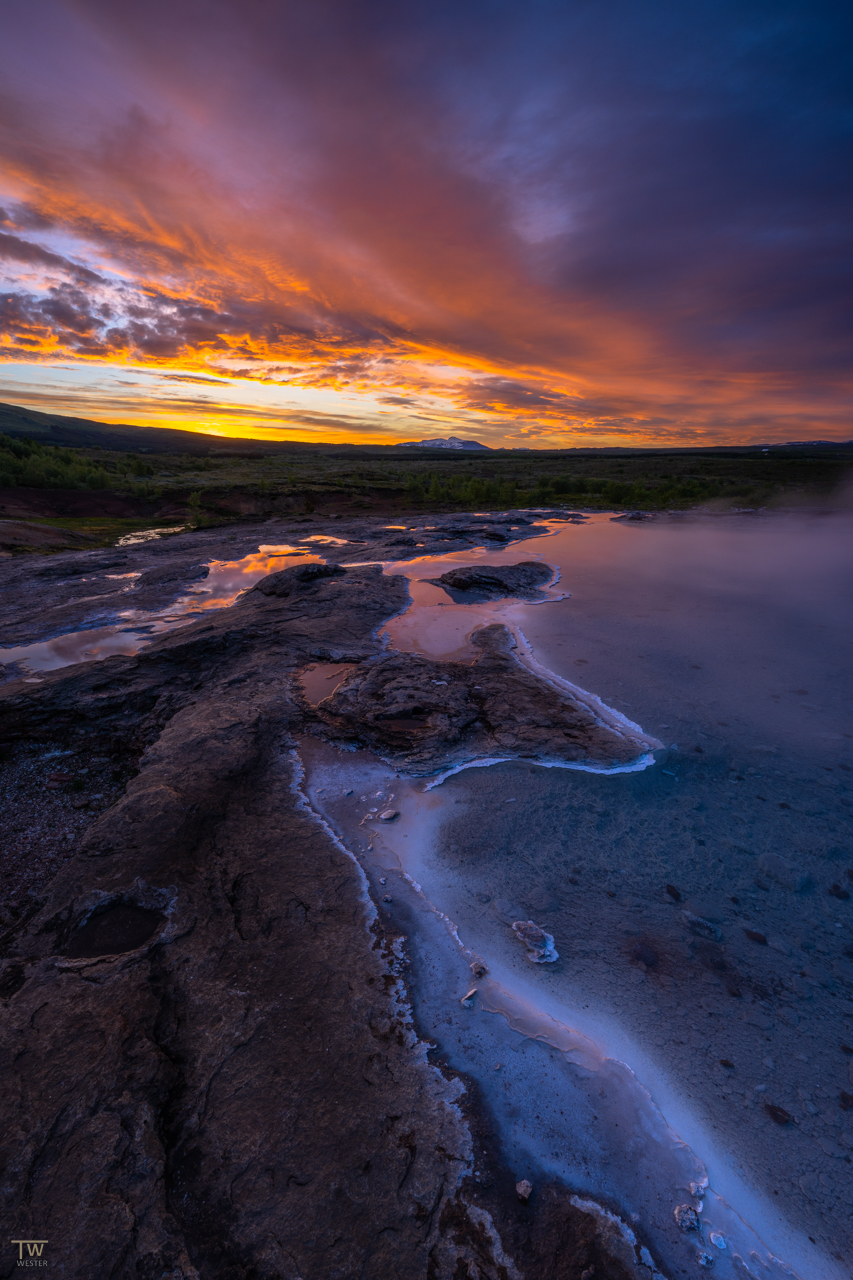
(543, 226)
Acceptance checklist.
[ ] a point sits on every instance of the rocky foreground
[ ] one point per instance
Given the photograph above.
(210, 1065)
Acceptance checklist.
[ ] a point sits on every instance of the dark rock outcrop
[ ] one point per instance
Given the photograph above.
(427, 716)
(298, 577)
(496, 580)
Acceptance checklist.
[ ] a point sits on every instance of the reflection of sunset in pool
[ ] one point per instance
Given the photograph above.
(134, 628)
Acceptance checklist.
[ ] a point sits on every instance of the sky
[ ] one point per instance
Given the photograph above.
(615, 222)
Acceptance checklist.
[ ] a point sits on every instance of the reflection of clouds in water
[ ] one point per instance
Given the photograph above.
(226, 580)
(147, 535)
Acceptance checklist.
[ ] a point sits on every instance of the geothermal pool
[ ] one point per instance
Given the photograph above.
(693, 1043)
(698, 1023)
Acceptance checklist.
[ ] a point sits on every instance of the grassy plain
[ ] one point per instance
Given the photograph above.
(227, 484)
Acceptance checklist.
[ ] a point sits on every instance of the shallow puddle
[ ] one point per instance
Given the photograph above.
(320, 680)
(134, 628)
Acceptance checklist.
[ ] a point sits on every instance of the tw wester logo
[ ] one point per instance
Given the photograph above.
(33, 1248)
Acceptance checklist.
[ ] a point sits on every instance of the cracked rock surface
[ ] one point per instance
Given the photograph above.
(427, 715)
(210, 1067)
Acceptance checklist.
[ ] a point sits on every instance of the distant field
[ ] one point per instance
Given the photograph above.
(228, 485)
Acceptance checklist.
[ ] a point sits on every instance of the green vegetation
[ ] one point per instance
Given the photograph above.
(323, 479)
(299, 478)
(27, 464)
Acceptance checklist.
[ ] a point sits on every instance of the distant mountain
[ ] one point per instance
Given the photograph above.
(82, 433)
(448, 442)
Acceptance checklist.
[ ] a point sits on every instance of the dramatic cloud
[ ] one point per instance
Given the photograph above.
(549, 222)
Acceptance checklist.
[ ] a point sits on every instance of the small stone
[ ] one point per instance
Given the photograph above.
(724, 1062)
(845, 1101)
(705, 1260)
(702, 928)
(468, 999)
(524, 1190)
(755, 936)
(686, 1217)
(778, 1114)
(539, 944)
(382, 880)
(389, 815)
(673, 893)
(478, 969)
(387, 898)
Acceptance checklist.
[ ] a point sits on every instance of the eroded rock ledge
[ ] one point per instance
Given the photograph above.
(492, 581)
(236, 1090)
(425, 716)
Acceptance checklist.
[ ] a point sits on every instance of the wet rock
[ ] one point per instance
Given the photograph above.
(128, 1055)
(524, 1190)
(686, 1217)
(400, 706)
(497, 580)
(65, 568)
(539, 944)
(296, 578)
(165, 574)
(388, 815)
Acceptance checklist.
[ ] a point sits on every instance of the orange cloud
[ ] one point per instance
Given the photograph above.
(317, 224)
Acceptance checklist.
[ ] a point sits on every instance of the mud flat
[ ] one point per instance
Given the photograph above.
(242, 1024)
